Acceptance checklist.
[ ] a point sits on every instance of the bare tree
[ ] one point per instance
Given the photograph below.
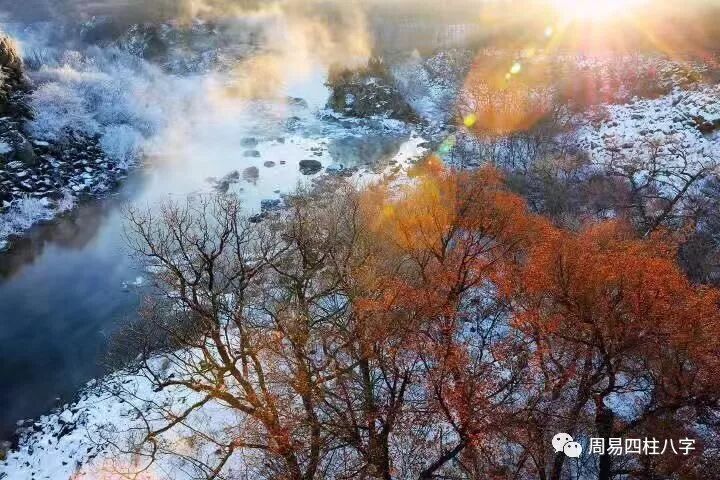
(239, 308)
(262, 322)
(662, 174)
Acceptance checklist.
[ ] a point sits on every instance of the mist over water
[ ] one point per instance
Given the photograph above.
(195, 102)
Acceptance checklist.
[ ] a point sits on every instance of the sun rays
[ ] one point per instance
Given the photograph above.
(596, 10)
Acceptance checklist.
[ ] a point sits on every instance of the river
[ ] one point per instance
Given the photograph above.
(69, 284)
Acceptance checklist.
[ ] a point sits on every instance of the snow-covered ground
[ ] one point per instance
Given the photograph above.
(677, 118)
(87, 439)
(672, 138)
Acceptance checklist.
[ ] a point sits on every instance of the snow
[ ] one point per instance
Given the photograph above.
(666, 129)
(22, 215)
(106, 93)
(58, 109)
(66, 203)
(5, 148)
(59, 452)
(88, 438)
(122, 143)
(667, 118)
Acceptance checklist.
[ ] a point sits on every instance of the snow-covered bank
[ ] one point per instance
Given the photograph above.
(75, 442)
(92, 112)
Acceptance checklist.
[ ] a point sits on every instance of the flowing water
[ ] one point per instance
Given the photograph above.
(67, 285)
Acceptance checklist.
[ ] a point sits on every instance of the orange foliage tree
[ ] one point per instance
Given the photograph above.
(433, 330)
(446, 235)
(620, 344)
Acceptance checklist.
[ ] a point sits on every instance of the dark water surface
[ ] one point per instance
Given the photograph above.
(61, 296)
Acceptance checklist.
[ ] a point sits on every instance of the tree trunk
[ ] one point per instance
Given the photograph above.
(604, 421)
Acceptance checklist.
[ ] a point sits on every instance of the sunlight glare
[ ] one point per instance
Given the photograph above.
(595, 10)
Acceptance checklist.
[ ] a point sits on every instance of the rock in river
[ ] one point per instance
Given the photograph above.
(310, 167)
(249, 142)
(270, 204)
(251, 174)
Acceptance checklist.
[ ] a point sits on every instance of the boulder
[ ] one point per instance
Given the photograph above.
(270, 204)
(18, 149)
(368, 92)
(223, 185)
(310, 167)
(251, 174)
(297, 102)
(249, 142)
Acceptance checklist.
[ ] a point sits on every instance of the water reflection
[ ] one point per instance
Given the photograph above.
(60, 298)
(73, 231)
(373, 149)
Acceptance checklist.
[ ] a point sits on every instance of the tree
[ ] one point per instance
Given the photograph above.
(620, 341)
(447, 235)
(432, 330)
(241, 311)
(662, 175)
